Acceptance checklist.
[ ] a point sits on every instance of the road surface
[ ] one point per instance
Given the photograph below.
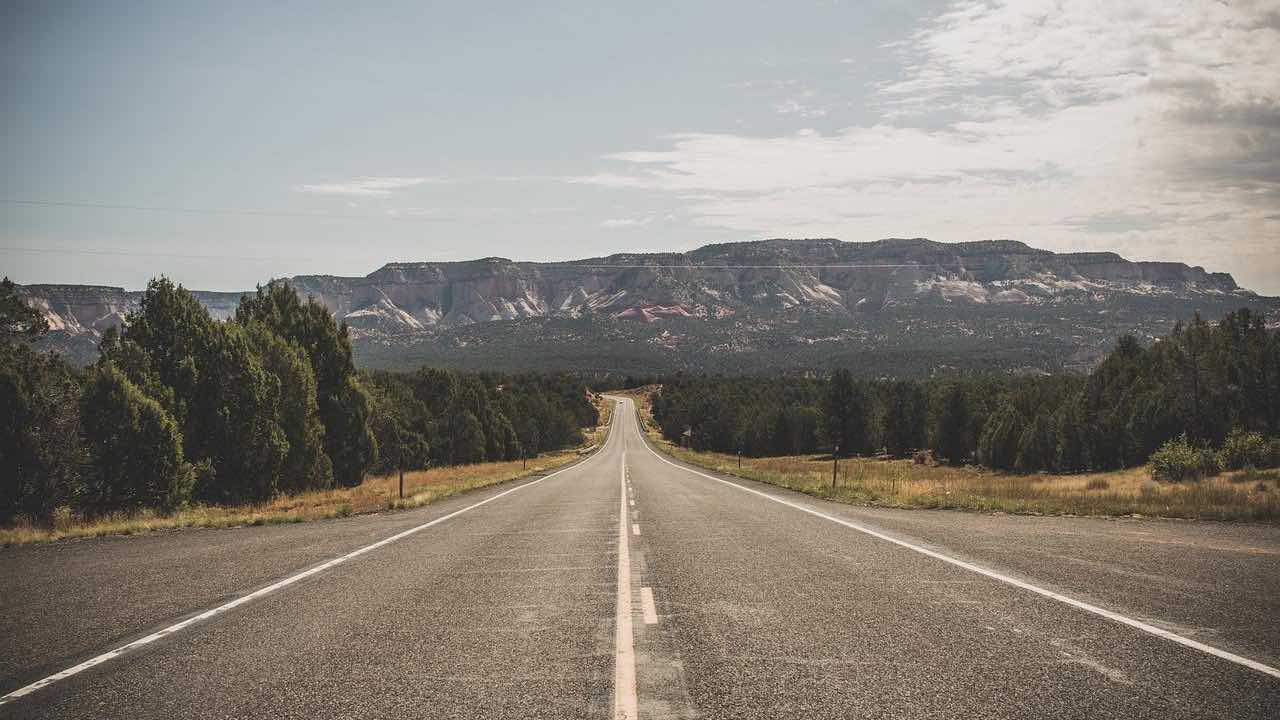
(630, 586)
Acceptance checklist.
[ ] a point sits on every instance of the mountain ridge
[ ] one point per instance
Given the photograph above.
(727, 306)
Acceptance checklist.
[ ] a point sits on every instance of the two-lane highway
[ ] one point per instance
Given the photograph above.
(630, 586)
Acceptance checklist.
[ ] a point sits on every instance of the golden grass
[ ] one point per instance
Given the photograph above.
(884, 482)
(375, 494)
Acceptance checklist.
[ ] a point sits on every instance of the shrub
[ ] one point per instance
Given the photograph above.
(1244, 449)
(135, 445)
(1178, 460)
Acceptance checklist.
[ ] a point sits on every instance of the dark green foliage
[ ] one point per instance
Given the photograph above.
(446, 417)
(306, 466)
(952, 437)
(134, 446)
(233, 420)
(846, 412)
(466, 439)
(41, 454)
(18, 321)
(904, 420)
(754, 416)
(1202, 380)
(998, 445)
(1037, 445)
(343, 405)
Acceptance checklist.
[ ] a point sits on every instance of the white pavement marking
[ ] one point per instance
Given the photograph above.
(625, 706)
(1079, 604)
(646, 605)
(278, 585)
(635, 528)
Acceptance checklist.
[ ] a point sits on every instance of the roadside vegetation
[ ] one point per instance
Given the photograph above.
(1186, 427)
(376, 494)
(189, 420)
(883, 481)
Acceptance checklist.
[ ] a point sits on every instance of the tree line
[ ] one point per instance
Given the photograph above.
(182, 407)
(444, 417)
(1207, 382)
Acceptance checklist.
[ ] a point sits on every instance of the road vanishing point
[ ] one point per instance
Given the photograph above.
(629, 585)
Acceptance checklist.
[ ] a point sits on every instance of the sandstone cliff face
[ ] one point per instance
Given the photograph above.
(760, 284)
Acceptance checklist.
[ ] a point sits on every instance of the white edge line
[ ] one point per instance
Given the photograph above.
(647, 606)
(1079, 604)
(261, 592)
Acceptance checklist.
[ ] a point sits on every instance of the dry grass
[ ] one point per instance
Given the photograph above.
(904, 484)
(375, 494)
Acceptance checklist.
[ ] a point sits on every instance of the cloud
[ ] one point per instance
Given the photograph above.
(365, 185)
(1149, 127)
(615, 223)
(791, 106)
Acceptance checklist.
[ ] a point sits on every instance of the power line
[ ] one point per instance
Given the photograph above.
(213, 211)
(131, 253)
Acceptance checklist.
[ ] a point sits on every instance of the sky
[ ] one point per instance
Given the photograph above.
(226, 143)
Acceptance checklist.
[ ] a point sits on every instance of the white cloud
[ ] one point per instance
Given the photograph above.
(365, 185)
(615, 223)
(791, 106)
(1152, 128)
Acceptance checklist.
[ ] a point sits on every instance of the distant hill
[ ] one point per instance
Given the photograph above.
(889, 307)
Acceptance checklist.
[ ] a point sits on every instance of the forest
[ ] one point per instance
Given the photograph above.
(183, 408)
(1205, 396)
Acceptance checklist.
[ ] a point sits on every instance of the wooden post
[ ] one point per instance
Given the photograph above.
(400, 459)
(835, 465)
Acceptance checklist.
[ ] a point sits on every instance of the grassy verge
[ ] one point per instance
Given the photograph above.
(1246, 495)
(375, 494)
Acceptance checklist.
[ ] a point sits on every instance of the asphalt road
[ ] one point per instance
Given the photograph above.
(728, 600)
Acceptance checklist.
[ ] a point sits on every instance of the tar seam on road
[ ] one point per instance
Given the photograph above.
(278, 585)
(1079, 604)
(625, 706)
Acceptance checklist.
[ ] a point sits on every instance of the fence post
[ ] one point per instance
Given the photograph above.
(835, 465)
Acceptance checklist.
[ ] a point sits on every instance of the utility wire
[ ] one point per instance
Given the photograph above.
(212, 211)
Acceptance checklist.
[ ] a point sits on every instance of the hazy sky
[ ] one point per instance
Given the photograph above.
(225, 143)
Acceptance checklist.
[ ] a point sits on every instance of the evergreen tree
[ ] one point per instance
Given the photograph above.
(1037, 445)
(18, 320)
(134, 446)
(998, 445)
(904, 420)
(306, 466)
(342, 403)
(41, 454)
(466, 439)
(846, 412)
(951, 439)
